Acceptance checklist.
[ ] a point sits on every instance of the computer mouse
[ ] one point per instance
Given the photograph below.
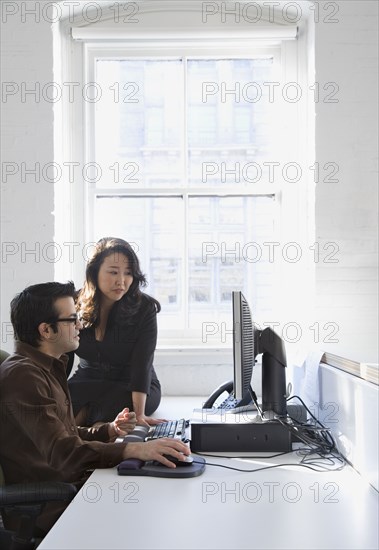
(188, 460)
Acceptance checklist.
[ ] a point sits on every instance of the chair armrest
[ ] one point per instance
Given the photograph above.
(29, 493)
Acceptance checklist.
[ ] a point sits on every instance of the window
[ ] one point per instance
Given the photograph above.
(172, 138)
(179, 143)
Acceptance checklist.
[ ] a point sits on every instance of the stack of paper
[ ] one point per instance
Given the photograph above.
(368, 371)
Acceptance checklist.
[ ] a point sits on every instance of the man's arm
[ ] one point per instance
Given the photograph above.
(39, 428)
(124, 423)
(37, 417)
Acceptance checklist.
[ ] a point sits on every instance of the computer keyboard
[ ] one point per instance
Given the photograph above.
(172, 428)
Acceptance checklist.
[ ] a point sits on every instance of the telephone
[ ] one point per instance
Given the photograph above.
(231, 404)
(225, 387)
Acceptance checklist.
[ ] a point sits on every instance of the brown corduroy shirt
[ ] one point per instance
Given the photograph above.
(39, 440)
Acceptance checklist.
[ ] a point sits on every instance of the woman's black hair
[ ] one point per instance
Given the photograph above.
(89, 296)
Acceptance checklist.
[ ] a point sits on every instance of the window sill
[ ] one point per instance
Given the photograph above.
(176, 354)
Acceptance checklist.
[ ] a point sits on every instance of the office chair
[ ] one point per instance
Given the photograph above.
(24, 502)
(3, 355)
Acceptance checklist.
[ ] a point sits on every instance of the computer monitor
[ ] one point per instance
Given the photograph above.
(274, 364)
(248, 342)
(241, 395)
(243, 349)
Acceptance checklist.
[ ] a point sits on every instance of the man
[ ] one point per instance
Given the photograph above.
(39, 440)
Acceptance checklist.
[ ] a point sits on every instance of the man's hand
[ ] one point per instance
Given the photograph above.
(124, 423)
(155, 449)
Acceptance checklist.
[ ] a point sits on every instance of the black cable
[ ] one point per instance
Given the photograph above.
(245, 456)
(317, 421)
(320, 453)
(316, 435)
(317, 440)
(298, 465)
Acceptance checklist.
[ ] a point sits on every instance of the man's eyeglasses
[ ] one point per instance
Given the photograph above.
(75, 319)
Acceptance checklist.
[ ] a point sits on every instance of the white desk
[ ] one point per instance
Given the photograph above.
(284, 508)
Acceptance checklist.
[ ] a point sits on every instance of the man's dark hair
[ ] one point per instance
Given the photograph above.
(36, 305)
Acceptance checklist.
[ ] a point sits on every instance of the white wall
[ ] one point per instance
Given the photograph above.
(348, 406)
(345, 53)
(347, 212)
(27, 222)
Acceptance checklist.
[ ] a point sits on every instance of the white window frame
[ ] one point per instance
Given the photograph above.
(78, 45)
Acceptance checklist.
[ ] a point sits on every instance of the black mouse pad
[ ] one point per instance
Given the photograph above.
(135, 467)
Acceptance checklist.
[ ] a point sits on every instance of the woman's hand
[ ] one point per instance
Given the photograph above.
(156, 448)
(139, 404)
(144, 420)
(124, 423)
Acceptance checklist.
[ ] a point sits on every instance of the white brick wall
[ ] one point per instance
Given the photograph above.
(27, 138)
(346, 212)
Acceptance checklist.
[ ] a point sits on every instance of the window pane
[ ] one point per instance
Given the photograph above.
(138, 123)
(226, 253)
(228, 120)
(159, 127)
(154, 226)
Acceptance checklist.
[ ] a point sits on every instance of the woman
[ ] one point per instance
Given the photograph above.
(118, 340)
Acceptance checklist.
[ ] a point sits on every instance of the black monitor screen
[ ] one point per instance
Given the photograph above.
(243, 346)
(248, 342)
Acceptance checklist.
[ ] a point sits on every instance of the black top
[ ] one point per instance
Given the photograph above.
(110, 370)
(126, 352)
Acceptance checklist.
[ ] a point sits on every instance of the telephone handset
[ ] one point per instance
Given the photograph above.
(225, 387)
